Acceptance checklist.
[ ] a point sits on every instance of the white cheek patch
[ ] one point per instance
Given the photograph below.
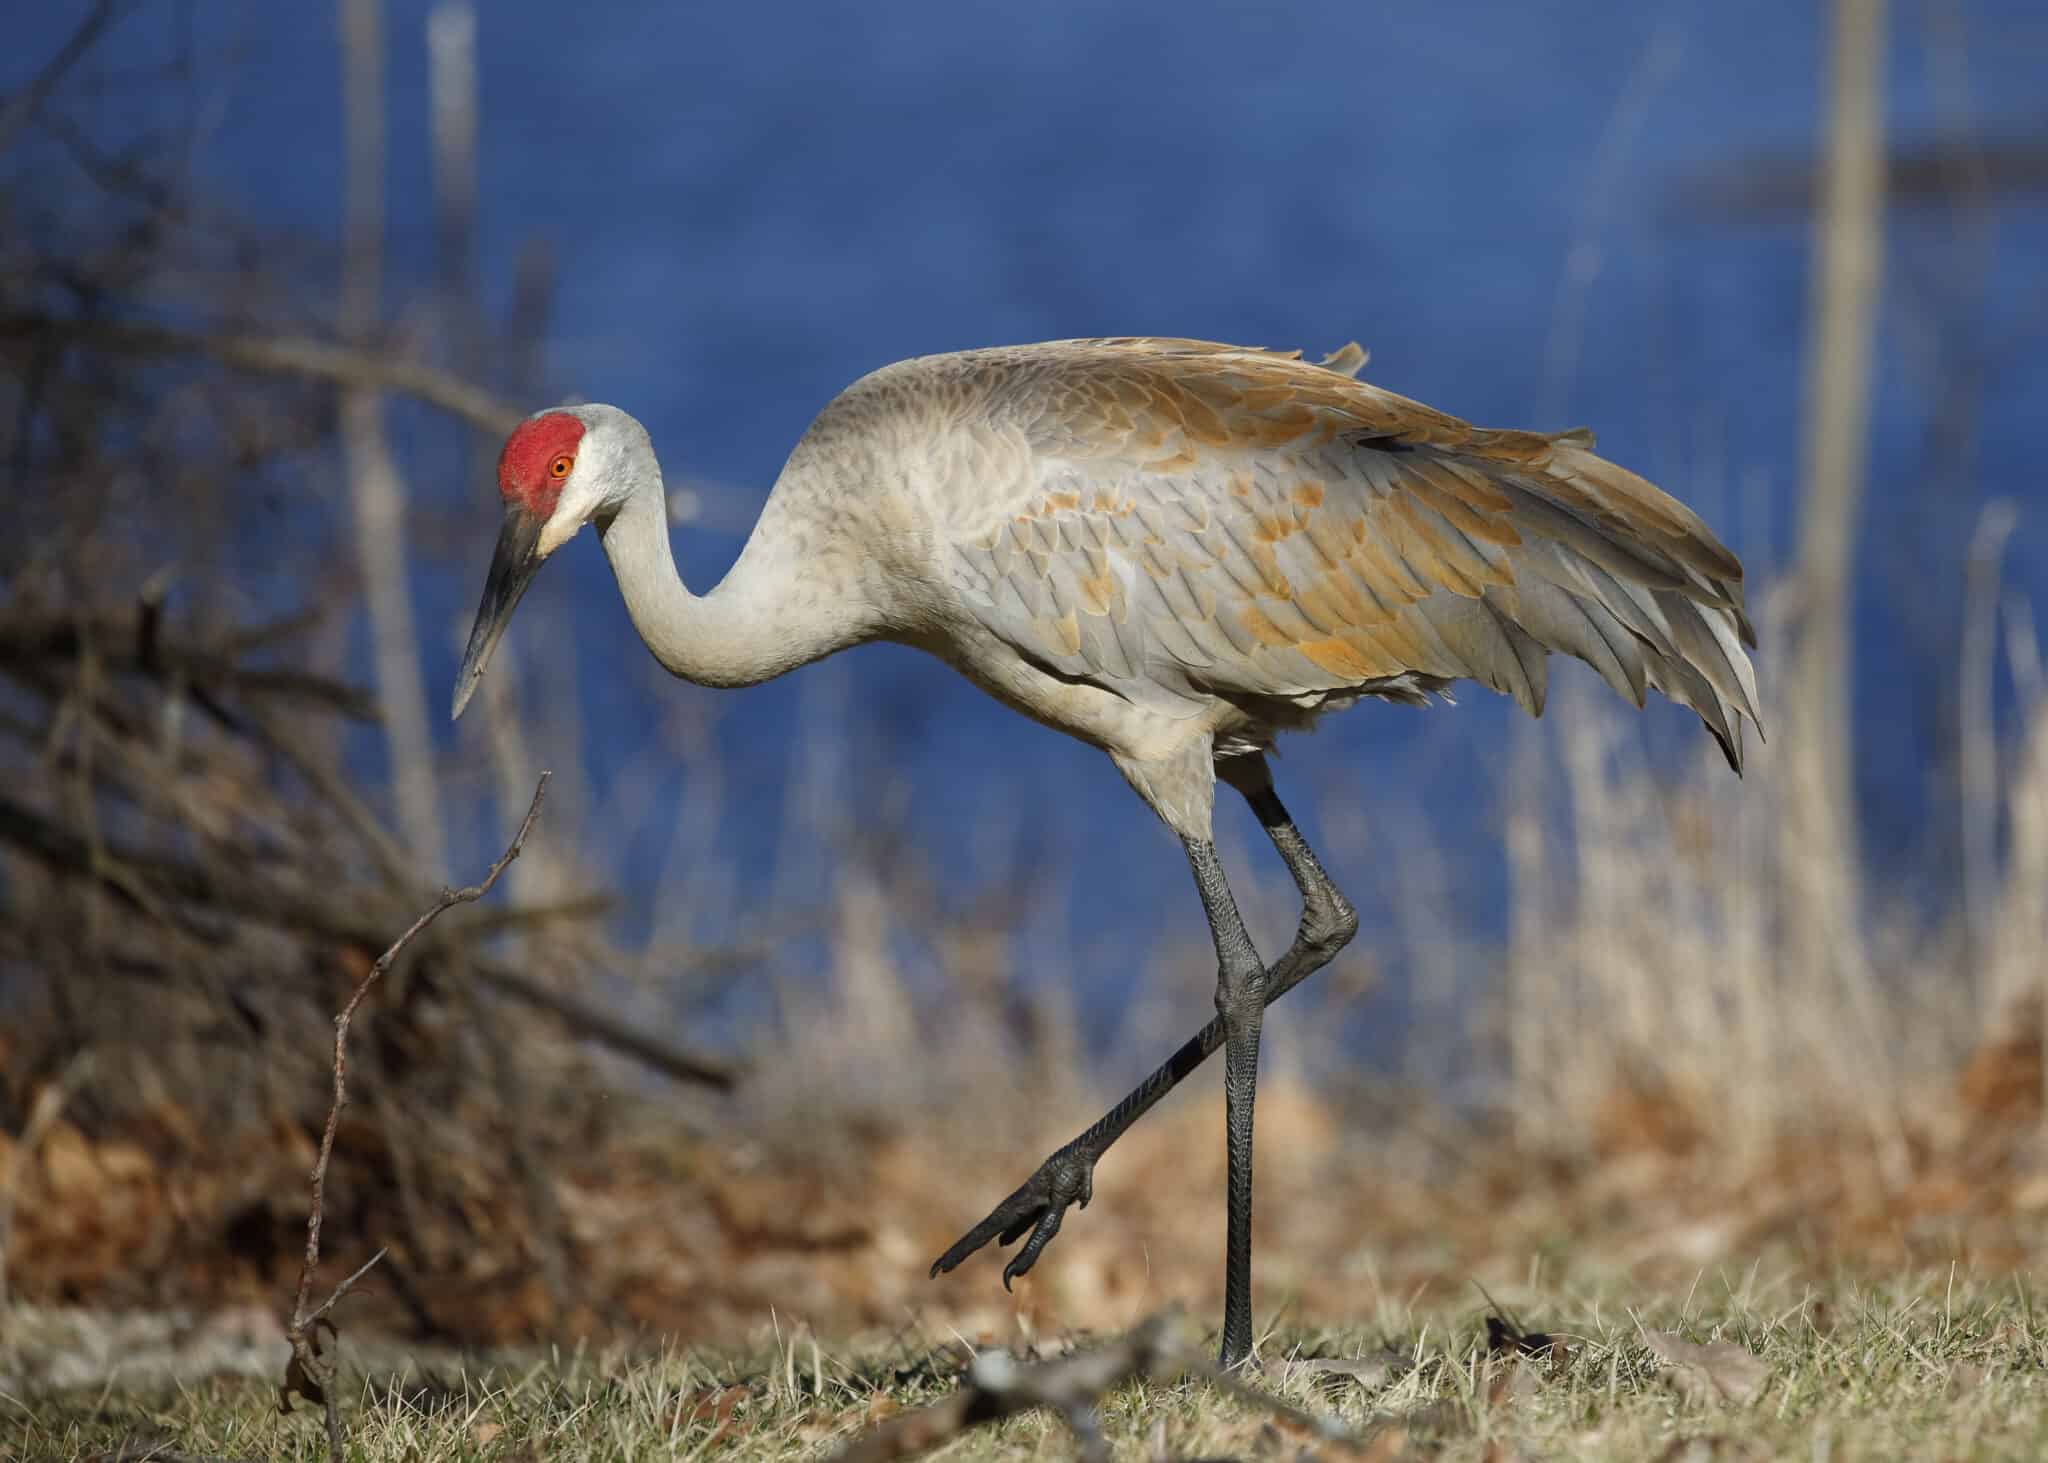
(556, 532)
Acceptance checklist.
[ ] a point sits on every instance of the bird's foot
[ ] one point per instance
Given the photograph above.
(1038, 1205)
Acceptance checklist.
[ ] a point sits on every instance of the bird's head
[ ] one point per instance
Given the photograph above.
(559, 470)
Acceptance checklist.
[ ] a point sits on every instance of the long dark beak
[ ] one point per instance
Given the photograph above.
(512, 569)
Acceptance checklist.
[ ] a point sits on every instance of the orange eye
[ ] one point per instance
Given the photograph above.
(559, 468)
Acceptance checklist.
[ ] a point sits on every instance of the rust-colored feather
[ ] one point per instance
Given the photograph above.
(1292, 532)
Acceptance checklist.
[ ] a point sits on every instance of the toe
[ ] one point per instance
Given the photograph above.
(1041, 1235)
(1005, 1222)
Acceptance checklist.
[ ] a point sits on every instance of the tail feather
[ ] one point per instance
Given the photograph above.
(1683, 683)
(1615, 573)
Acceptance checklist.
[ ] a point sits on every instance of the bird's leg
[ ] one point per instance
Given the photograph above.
(1241, 1006)
(1327, 919)
(1067, 1177)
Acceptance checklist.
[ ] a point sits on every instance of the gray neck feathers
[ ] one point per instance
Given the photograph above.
(771, 613)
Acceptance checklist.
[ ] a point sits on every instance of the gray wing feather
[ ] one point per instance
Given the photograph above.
(1224, 528)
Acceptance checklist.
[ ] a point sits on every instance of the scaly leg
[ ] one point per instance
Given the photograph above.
(1241, 1006)
(1067, 1177)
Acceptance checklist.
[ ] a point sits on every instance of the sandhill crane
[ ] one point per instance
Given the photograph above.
(1174, 551)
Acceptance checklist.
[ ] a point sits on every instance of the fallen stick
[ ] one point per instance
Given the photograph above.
(997, 1386)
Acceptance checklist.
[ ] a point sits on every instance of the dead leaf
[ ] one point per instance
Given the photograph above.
(487, 1433)
(1514, 1380)
(1716, 1371)
(1370, 1372)
(712, 1407)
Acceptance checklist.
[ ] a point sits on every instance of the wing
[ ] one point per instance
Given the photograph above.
(1204, 519)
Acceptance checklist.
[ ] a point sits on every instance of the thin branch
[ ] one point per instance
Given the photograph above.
(328, 783)
(279, 355)
(1739, 190)
(127, 643)
(308, 1375)
(320, 1311)
(608, 1030)
(23, 105)
(137, 875)
(448, 900)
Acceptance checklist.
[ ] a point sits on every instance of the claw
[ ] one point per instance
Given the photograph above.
(1036, 1208)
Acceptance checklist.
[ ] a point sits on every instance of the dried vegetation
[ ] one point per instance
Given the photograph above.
(1743, 1366)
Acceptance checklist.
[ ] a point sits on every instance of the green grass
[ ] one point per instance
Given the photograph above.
(1936, 1366)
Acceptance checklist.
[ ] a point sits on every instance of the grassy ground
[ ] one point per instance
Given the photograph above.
(1939, 1364)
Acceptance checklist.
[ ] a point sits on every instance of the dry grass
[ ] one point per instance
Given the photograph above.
(1929, 1364)
(1653, 951)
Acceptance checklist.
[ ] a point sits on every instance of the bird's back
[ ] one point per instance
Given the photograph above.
(1212, 530)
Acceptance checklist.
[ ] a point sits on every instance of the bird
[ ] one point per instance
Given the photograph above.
(1175, 551)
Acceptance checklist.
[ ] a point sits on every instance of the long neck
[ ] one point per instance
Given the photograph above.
(769, 614)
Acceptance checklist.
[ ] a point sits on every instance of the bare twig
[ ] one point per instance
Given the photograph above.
(320, 1311)
(136, 874)
(308, 1374)
(280, 355)
(127, 643)
(21, 107)
(1747, 186)
(611, 1031)
(998, 1386)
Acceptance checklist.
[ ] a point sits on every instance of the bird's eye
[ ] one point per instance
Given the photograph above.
(559, 468)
